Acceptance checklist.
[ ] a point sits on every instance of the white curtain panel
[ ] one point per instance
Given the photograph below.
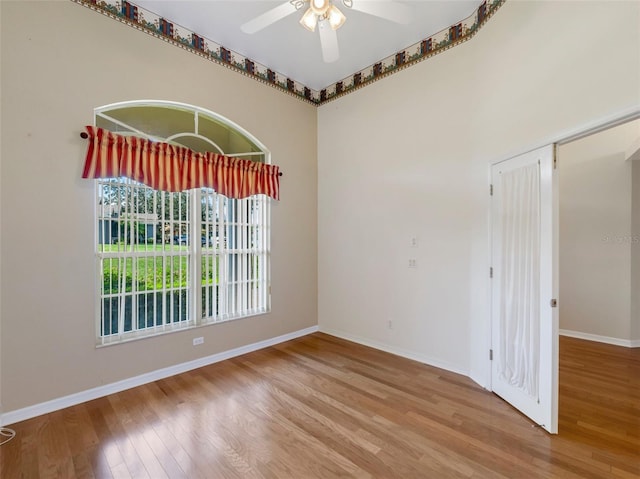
(520, 279)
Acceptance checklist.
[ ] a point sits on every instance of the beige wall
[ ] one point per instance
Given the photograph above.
(596, 234)
(59, 61)
(1, 407)
(635, 253)
(410, 155)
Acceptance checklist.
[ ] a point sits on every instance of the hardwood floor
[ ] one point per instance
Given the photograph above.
(321, 407)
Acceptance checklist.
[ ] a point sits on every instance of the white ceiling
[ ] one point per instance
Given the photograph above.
(286, 47)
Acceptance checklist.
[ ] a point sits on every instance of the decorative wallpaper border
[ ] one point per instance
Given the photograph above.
(159, 27)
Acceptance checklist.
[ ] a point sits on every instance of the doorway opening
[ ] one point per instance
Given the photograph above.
(626, 283)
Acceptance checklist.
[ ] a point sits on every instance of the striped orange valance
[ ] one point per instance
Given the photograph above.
(167, 167)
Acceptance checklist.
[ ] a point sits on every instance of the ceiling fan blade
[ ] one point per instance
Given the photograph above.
(268, 17)
(328, 42)
(394, 11)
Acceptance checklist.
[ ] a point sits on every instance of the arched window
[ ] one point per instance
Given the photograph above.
(169, 261)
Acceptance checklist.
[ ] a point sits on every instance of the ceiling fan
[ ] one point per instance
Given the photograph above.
(328, 18)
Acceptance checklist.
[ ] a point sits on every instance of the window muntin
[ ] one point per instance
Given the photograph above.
(152, 276)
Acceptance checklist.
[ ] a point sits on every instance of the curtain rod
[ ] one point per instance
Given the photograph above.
(84, 135)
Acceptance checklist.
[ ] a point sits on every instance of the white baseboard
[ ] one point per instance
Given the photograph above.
(397, 351)
(601, 339)
(29, 412)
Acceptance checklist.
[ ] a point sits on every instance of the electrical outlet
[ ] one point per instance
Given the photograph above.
(414, 241)
(197, 341)
(413, 263)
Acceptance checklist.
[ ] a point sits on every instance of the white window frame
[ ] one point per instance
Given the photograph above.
(233, 253)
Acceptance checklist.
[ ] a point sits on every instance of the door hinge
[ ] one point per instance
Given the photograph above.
(491, 355)
(491, 272)
(554, 303)
(490, 190)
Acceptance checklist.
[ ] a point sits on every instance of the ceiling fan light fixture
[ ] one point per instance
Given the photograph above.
(335, 17)
(309, 20)
(319, 7)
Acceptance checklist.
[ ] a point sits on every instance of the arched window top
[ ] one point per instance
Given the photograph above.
(171, 146)
(196, 128)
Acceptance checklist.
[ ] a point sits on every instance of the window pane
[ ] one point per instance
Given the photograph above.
(144, 256)
(234, 260)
